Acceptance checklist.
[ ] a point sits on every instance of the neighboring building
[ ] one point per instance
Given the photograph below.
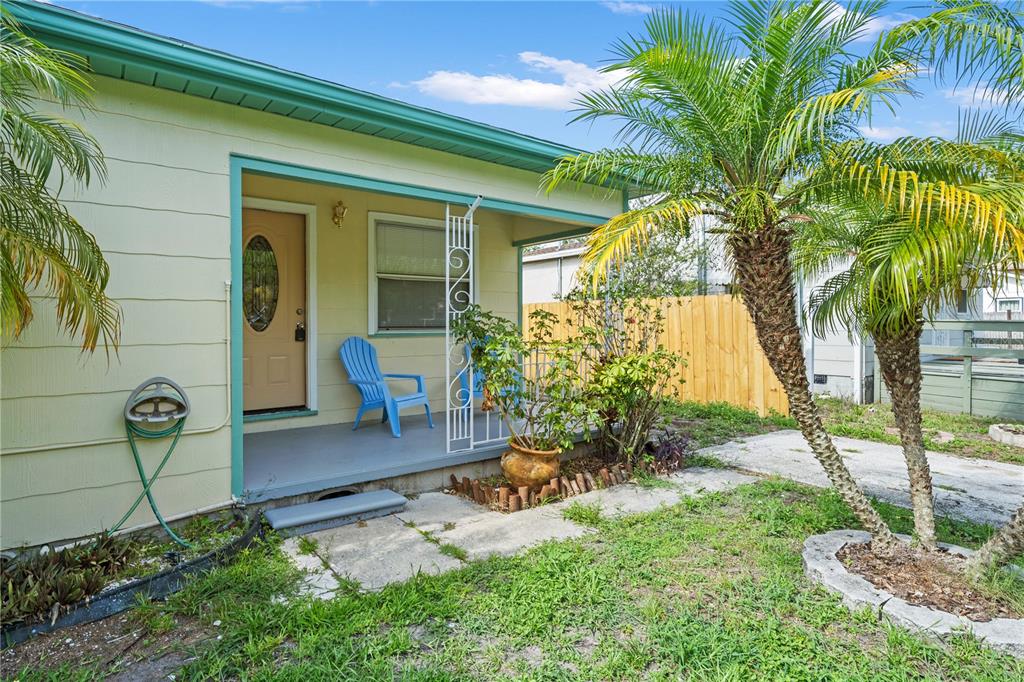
(253, 219)
(549, 271)
(1005, 302)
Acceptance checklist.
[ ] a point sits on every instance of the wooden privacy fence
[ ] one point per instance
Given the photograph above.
(715, 337)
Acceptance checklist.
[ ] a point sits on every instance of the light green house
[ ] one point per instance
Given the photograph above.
(214, 162)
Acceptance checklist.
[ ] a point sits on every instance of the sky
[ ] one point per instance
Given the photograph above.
(517, 65)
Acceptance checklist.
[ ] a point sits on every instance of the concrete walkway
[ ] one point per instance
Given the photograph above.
(438, 532)
(972, 489)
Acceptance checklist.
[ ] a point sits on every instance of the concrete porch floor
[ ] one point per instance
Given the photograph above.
(291, 462)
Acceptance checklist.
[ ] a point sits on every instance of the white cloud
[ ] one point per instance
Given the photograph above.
(874, 26)
(939, 129)
(620, 7)
(462, 86)
(883, 133)
(977, 96)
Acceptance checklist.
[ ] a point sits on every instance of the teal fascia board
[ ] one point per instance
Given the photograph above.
(176, 61)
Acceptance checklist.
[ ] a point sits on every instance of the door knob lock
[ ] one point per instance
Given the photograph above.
(300, 332)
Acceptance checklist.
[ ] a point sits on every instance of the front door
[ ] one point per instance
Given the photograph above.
(274, 307)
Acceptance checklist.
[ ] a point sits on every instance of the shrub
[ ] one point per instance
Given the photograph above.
(630, 371)
(541, 400)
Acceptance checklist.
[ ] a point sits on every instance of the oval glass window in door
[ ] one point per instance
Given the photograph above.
(260, 283)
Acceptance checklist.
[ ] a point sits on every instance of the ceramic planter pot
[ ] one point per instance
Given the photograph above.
(532, 468)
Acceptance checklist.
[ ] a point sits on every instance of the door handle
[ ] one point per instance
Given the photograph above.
(300, 331)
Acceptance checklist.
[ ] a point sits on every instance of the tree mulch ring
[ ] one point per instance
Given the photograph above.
(931, 579)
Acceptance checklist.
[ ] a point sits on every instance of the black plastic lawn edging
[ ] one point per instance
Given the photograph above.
(156, 586)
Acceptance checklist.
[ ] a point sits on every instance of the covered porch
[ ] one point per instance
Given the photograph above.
(388, 267)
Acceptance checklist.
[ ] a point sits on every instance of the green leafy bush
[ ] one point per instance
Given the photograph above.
(535, 383)
(630, 371)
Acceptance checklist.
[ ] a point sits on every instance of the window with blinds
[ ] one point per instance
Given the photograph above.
(407, 287)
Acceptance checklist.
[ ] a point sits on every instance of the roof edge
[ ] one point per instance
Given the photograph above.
(93, 37)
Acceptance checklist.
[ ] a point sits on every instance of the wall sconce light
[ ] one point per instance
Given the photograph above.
(340, 211)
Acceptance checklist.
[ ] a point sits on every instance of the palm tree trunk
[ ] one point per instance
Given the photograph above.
(765, 278)
(899, 356)
(1007, 543)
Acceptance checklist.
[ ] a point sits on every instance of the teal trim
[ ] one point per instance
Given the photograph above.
(127, 53)
(519, 284)
(293, 171)
(283, 414)
(540, 239)
(237, 480)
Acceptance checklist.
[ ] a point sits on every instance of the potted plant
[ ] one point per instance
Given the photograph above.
(535, 385)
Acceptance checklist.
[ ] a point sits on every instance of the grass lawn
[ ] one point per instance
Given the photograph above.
(970, 439)
(713, 423)
(711, 589)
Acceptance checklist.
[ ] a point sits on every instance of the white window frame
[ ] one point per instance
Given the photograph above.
(1009, 299)
(373, 217)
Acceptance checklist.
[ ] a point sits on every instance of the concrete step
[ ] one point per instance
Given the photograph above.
(339, 511)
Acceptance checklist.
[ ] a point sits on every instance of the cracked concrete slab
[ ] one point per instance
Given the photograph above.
(498, 534)
(697, 480)
(630, 498)
(319, 580)
(391, 549)
(431, 511)
(972, 489)
(625, 499)
(380, 551)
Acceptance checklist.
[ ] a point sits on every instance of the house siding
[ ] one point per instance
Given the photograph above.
(163, 218)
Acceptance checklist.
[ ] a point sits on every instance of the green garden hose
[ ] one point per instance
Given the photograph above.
(132, 423)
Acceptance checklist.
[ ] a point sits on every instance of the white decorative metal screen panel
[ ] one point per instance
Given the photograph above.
(466, 426)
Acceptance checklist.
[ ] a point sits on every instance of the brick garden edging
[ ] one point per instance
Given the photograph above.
(822, 566)
(508, 499)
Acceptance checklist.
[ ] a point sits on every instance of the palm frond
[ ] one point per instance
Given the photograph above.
(619, 237)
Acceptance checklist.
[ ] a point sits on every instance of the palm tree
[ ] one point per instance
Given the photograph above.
(875, 249)
(41, 243)
(736, 124)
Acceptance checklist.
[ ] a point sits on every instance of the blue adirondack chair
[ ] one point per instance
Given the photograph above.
(360, 360)
(478, 377)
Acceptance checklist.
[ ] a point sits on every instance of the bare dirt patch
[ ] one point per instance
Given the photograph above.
(119, 646)
(932, 579)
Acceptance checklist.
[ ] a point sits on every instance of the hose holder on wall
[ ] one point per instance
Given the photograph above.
(156, 409)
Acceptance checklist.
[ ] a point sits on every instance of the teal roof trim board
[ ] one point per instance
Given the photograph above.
(127, 53)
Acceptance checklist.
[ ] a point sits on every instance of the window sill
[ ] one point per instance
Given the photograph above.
(271, 416)
(384, 335)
